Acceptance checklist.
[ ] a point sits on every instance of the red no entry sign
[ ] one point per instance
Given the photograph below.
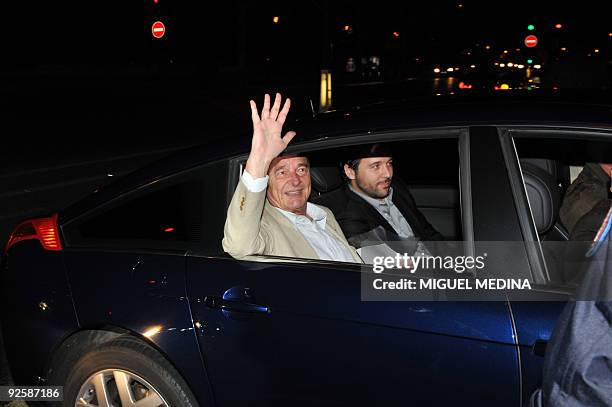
(158, 29)
(531, 41)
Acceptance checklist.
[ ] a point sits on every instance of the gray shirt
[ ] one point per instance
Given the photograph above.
(389, 211)
(398, 222)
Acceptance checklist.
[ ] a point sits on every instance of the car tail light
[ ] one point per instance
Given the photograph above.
(43, 229)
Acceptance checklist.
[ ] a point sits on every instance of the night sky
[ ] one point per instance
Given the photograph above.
(234, 34)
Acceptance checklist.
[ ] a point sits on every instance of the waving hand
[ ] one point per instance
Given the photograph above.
(267, 141)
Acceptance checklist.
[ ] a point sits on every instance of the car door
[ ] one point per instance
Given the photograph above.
(289, 330)
(536, 312)
(273, 333)
(130, 253)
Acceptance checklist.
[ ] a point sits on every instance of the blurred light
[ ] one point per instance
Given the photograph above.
(198, 324)
(43, 305)
(509, 64)
(609, 34)
(517, 49)
(152, 331)
(530, 61)
(530, 81)
(395, 34)
(596, 50)
(109, 175)
(437, 70)
(472, 66)
(449, 69)
(495, 63)
(558, 26)
(505, 51)
(563, 49)
(155, 1)
(531, 27)
(456, 69)
(520, 66)
(168, 230)
(460, 5)
(502, 65)
(463, 85)
(537, 66)
(504, 86)
(275, 19)
(325, 96)
(487, 47)
(347, 28)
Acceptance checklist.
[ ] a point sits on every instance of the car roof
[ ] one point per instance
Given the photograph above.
(449, 111)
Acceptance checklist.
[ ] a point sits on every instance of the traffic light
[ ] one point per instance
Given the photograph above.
(531, 27)
(530, 61)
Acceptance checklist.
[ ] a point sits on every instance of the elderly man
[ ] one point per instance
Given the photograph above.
(380, 213)
(270, 213)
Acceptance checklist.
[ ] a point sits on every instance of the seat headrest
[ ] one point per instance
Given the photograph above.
(325, 179)
(544, 196)
(559, 171)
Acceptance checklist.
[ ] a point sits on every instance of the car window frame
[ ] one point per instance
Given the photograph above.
(144, 245)
(460, 133)
(507, 135)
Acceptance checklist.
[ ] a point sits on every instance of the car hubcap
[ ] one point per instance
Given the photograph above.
(118, 388)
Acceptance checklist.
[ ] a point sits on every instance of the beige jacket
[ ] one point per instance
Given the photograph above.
(254, 227)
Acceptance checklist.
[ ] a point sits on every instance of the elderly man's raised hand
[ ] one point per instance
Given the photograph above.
(267, 141)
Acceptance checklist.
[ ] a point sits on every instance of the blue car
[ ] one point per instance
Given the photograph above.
(126, 297)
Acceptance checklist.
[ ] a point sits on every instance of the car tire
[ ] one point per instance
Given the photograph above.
(125, 368)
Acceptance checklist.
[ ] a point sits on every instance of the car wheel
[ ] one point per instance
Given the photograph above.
(125, 372)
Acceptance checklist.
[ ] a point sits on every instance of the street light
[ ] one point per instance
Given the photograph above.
(275, 19)
(558, 26)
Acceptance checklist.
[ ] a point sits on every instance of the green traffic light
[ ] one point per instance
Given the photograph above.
(531, 27)
(530, 61)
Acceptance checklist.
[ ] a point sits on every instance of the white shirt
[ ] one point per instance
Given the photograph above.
(324, 243)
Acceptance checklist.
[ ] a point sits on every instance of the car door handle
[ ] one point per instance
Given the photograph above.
(235, 305)
(539, 347)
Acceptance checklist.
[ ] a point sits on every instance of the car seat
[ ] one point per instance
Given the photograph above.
(544, 194)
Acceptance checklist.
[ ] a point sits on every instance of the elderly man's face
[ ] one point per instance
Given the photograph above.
(289, 184)
(372, 176)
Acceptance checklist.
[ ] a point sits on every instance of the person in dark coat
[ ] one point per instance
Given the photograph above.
(578, 361)
(589, 188)
(379, 210)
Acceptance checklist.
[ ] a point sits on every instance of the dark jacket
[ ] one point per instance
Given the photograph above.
(578, 363)
(589, 188)
(357, 217)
